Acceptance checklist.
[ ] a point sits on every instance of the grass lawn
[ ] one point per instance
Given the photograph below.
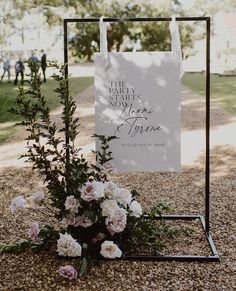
(223, 89)
(8, 93)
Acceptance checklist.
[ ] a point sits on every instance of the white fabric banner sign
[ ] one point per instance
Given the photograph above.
(138, 100)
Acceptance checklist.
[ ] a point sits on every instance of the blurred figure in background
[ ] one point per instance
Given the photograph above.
(19, 67)
(43, 64)
(33, 64)
(6, 68)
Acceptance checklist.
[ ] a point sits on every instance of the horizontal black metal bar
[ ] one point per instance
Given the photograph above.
(174, 217)
(173, 258)
(214, 257)
(140, 19)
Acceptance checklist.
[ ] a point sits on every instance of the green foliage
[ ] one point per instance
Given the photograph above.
(105, 155)
(158, 209)
(47, 238)
(15, 248)
(153, 36)
(142, 234)
(84, 39)
(56, 159)
(83, 267)
(148, 233)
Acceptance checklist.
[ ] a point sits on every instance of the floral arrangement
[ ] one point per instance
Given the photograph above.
(97, 218)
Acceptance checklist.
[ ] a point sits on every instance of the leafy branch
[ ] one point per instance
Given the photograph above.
(47, 238)
(103, 156)
(56, 158)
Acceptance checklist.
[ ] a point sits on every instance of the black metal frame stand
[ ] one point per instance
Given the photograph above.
(205, 221)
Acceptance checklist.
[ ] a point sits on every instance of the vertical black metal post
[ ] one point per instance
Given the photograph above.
(67, 139)
(207, 169)
(65, 48)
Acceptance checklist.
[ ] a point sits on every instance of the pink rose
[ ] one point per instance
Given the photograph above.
(92, 191)
(69, 272)
(34, 231)
(72, 204)
(117, 222)
(17, 204)
(37, 197)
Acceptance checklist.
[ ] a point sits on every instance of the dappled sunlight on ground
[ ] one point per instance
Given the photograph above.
(192, 145)
(193, 112)
(223, 127)
(225, 134)
(222, 162)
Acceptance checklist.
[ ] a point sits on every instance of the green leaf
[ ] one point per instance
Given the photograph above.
(17, 247)
(4, 248)
(83, 267)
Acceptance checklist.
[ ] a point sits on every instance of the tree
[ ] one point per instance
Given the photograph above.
(84, 38)
(155, 36)
(152, 36)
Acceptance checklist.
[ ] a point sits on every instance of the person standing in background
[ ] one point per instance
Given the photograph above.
(6, 68)
(44, 65)
(19, 67)
(33, 64)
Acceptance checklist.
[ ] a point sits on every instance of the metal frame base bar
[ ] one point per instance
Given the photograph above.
(214, 257)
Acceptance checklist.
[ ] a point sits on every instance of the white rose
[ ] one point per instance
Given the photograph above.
(110, 250)
(108, 207)
(72, 204)
(92, 191)
(136, 209)
(117, 222)
(123, 196)
(85, 221)
(67, 246)
(109, 189)
(17, 204)
(37, 197)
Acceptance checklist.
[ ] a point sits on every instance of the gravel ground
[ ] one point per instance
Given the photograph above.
(30, 271)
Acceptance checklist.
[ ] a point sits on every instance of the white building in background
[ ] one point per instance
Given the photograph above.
(225, 42)
(223, 47)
